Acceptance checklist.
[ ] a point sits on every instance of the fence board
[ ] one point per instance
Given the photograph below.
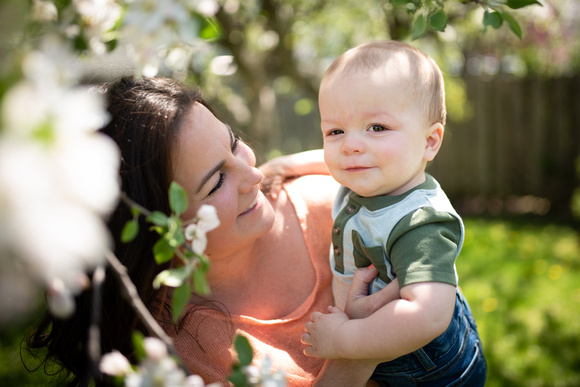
(522, 140)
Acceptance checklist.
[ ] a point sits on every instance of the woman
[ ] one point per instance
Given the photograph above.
(269, 257)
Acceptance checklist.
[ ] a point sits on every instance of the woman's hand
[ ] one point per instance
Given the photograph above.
(359, 304)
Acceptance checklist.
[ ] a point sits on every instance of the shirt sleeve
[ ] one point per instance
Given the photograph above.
(423, 247)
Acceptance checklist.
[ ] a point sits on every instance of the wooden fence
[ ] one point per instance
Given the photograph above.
(519, 150)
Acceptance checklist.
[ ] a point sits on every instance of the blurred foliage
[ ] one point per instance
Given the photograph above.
(522, 280)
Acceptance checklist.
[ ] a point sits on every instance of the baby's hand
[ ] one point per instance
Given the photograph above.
(284, 167)
(322, 333)
(275, 172)
(359, 304)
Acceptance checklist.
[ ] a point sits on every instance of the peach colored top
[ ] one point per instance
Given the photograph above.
(204, 342)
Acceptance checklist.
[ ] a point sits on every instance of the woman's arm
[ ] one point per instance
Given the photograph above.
(346, 373)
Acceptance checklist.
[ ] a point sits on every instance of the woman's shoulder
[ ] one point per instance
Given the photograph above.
(313, 189)
(312, 198)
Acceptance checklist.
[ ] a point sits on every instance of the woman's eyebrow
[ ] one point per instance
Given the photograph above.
(208, 175)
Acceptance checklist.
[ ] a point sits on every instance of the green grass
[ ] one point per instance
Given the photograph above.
(522, 280)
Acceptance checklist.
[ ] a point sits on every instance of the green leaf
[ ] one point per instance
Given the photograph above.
(177, 198)
(238, 377)
(210, 30)
(438, 20)
(158, 218)
(181, 297)
(137, 339)
(177, 239)
(419, 27)
(244, 350)
(516, 4)
(492, 19)
(513, 24)
(162, 251)
(200, 284)
(172, 277)
(130, 231)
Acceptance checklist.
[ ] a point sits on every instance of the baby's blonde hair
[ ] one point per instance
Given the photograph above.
(426, 80)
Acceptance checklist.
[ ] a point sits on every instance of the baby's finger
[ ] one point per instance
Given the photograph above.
(309, 351)
(306, 339)
(334, 309)
(315, 315)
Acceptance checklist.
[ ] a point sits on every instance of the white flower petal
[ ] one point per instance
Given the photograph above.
(199, 243)
(208, 219)
(60, 300)
(115, 364)
(194, 381)
(155, 348)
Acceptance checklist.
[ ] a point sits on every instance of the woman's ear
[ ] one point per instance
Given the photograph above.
(433, 142)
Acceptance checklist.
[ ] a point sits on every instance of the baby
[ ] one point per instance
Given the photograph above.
(382, 107)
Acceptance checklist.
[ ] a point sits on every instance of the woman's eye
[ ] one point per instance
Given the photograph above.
(377, 128)
(218, 185)
(235, 144)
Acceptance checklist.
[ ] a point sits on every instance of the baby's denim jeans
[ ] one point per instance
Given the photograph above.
(453, 359)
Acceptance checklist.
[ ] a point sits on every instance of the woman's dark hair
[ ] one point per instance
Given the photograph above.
(145, 117)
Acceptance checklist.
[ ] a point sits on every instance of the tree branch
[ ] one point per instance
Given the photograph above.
(145, 316)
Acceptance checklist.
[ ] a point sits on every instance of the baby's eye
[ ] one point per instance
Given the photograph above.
(334, 132)
(377, 128)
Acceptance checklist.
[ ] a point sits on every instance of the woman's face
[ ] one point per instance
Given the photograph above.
(216, 168)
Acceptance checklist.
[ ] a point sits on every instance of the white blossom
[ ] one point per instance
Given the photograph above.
(161, 33)
(207, 7)
(58, 177)
(194, 381)
(205, 221)
(53, 64)
(101, 15)
(264, 375)
(199, 243)
(207, 218)
(158, 368)
(43, 11)
(60, 299)
(115, 364)
(154, 348)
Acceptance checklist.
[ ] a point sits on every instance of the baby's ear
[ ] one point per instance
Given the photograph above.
(433, 142)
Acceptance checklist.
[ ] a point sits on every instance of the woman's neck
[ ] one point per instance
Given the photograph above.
(255, 280)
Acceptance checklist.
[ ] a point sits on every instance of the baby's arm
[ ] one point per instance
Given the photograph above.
(297, 164)
(400, 327)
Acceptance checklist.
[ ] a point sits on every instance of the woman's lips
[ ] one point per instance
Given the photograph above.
(253, 205)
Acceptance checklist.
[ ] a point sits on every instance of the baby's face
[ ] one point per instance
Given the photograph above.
(375, 135)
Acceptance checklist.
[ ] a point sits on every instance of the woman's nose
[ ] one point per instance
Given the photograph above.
(250, 175)
(250, 178)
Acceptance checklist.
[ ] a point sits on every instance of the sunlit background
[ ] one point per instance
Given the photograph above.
(510, 160)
